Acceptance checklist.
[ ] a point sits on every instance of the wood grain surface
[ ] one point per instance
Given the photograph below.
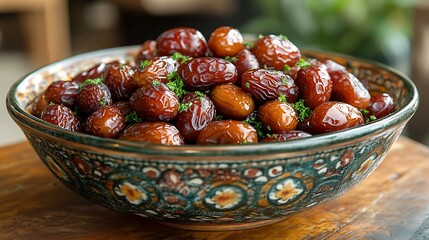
(392, 203)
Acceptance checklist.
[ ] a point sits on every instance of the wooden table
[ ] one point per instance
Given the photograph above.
(392, 203)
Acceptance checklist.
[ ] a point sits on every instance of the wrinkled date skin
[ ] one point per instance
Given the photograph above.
(381, 105)
(225, 41)
(187, 41)
(347, 88)
(107, 121)
(118, 79)
(199, 114)
(227, 132)
(315, 85)
(275, 51)
(206, 72)
(96, 71)
(93, 96)
(285, 136)
(62, 92)
(245, 60)
(147, 51)
(153, 132)
(158, 69)
(155, 103)
(277, 116)
(61, 116)
(265, 85)
(334, 116)
(231, 101)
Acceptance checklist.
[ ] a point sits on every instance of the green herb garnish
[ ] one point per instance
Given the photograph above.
(303, 111)
(286, 68)
(132, 118)
(283, 37)
(257, 124)
(260, 36)
(184, 106)
(102, 101)
(144, 64)
(122, 66)
(179, 57)
(249, 44)
(230, 59)
(282, 98)
(156, 83)
(247, 84)
(371, 118)
(176, 84)
(94, 81)
(219, 117)
(302, 63)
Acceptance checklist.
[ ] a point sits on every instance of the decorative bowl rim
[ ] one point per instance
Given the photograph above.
(21, 116)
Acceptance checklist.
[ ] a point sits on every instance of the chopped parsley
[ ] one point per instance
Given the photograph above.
(303, 111)
(247, 84)
(368, 118)
(199, 94)
(184, 106)
(244, 142)
(257, 124)
(102, 101)
(176, 84)
(302, 63)
(283, 37)
(268, 128)
(286, 68)
(155, 83)
(260, 36)
(132, 118)
(94, 81)
(249, 44)
(282, 98)
(122, 66)
(219, 117)
(285, 82)
(144, 64)
(231, 59)
(179, 57)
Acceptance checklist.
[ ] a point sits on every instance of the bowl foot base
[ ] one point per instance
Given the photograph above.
(219, 226)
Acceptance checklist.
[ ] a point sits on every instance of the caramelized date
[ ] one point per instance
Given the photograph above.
(285, 136)
(265, 85)
(227, 132)
(244, 60)
(315, 85)
(61, 116)
(147, 51)
(206, 72)
(93, 96)
(199, 113)
(39, 105)
(381, 105)
(153, 132)
(225, 41)
(107, 121)
(231, 101)
(347, 88)
(123, 106)
(118, 79)
(187, 41)
(94, 72)
(335, 116)
(157, 69)
(155, 102)
(62, 92)
(277, 116)
(276, 51)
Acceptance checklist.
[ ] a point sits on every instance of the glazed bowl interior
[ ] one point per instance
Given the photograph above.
(24, 91)
(216, 187)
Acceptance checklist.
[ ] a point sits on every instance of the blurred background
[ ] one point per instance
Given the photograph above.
(34, 33)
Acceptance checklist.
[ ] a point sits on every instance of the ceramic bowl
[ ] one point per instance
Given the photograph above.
(212, 187)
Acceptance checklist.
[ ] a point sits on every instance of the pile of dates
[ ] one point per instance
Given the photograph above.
(182, 89)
